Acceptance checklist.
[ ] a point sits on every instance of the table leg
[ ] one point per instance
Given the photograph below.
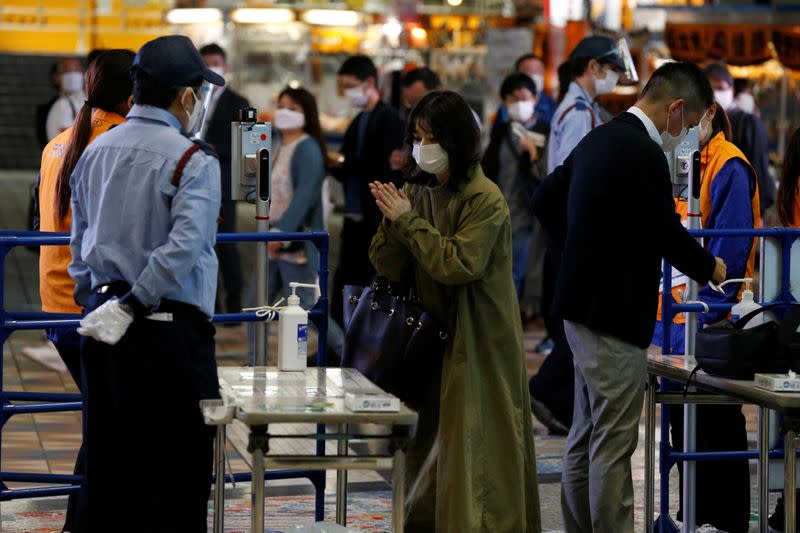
(219, 484)
(398, 490)
(341, 480)
(650, 453)
(689, 467)
(789, 479)
(763, 469)
(258, 447)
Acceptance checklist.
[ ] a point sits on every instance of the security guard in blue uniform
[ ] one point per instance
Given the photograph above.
(145, 202)
(596, 69)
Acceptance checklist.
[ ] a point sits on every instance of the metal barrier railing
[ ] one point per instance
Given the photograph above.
(43, 402)
(668, 457)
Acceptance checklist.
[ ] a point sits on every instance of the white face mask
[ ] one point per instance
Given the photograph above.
(538, 80)
(668, 141)
(72, 82)
(746, 103)
(607, 84)
(357, 96)
(286, 119)
(219, 71)
(521, 111)
(195, 116)
(724, 98)
(431, 158)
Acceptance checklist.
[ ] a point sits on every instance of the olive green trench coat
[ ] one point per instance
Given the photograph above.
(484, 476)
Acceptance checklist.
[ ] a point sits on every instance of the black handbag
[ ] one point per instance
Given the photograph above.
(391, 340)
(738, 353)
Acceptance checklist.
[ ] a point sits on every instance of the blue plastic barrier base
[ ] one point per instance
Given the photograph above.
(669, 525)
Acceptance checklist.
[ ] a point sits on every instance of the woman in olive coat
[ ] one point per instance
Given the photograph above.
(472, 466)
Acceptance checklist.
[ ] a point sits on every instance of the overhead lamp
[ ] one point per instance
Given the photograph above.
(262, 16)
(392, 30)
(419, 33)
(455, 3)
(331, 17)
(204, 15)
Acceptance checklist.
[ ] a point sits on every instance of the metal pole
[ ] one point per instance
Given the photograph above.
(219, 483)
(341, 480)
(650, 453)
(763, 469)
(789, 481)
(398, 490)
(257, 491)
(690, 410)
(262, 258)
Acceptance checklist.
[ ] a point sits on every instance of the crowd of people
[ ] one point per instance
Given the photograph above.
(138, 170)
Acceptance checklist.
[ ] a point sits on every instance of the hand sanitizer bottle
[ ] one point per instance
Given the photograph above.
(745, 306)
(293, 332)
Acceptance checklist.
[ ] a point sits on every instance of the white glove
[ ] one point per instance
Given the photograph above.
(108, 323)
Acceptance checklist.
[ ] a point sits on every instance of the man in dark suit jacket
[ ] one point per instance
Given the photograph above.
(224, 107)
(609, 208)
(369, 141)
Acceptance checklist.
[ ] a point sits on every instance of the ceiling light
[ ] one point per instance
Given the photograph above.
(454, 3)
(194, 16)
(418, 33)
(262, 16)
(331, 17)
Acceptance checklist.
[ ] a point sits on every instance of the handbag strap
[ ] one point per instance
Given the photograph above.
(788, 327)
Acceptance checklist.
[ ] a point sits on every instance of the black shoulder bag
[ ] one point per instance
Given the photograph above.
(391, 340)
(738, 353)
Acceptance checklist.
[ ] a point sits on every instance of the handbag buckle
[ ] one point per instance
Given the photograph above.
(354, 300)
(374, 306)
(410, 321)
(442, 335)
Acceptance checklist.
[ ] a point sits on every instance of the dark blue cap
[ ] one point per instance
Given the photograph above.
(173, 61)
(599, 47)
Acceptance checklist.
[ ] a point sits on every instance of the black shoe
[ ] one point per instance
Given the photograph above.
(546, 417)
(776, 519)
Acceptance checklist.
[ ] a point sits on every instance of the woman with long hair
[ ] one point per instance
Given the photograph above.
(471, 462)
(789, 188)
(108, 93)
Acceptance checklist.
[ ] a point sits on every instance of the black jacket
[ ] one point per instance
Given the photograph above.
(218, 133)
(384, 134)
(610, 209)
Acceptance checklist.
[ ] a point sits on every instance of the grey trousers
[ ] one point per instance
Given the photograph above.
(597, 486)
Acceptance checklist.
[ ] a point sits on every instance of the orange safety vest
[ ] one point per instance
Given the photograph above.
(55, 285)
(713, 157)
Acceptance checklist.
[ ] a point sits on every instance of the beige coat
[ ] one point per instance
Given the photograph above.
(458, 244)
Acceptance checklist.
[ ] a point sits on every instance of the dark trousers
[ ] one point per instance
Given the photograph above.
(554, 384)
(355, 267)
(150, 455)
(230, 264)
(67, 343)
(723, 487)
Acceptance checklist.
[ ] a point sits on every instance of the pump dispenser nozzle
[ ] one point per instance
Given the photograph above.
(293, 285)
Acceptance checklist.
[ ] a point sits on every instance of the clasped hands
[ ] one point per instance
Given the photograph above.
(392, 201)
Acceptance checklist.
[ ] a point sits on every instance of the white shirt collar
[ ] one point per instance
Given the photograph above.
(652, 131)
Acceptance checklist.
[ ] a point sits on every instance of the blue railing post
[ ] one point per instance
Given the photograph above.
(668, 457)
(49, 402)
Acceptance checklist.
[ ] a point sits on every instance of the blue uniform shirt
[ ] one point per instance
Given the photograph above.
(576, 116)
(129, 223)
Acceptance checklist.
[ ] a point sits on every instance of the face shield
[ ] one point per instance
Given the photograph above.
(204, 99)
(620, 55)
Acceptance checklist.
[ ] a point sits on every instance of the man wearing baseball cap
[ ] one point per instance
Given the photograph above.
(145, 201)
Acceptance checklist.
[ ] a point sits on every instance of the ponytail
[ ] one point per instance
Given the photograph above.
(81, 131)
(108, 84)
